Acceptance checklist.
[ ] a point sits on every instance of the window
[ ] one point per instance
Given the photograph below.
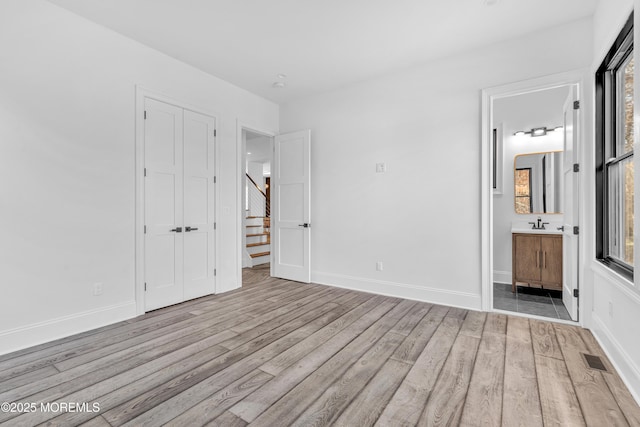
(614, 155)
(523, 191)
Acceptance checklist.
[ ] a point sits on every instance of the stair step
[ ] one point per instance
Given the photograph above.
(251, 245)
(253, 226)
(257, 234)
(256, 217)
(259, 254)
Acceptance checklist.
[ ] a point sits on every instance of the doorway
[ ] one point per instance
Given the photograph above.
(531, 202)
(256, 210)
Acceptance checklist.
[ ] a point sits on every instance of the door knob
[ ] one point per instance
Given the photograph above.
(305, 225)
(188, 229)
(561, 228)
(177, 230)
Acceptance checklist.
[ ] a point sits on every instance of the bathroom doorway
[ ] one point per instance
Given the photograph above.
(530, 252)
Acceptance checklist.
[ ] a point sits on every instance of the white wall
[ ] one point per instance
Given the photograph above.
(613, 303)
(422, 217)
(515, 113)
(67, 102)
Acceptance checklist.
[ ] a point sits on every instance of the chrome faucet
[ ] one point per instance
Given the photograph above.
(539, 225)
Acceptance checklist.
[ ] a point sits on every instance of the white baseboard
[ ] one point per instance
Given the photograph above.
(627, 368)
(400, 290)
(502, 277)
(50, 330)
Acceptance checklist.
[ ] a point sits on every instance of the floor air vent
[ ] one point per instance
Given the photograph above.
(594, 362)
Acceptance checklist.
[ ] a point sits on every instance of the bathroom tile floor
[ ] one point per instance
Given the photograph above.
(539, 302)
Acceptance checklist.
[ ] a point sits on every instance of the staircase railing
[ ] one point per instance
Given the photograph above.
(258, 202)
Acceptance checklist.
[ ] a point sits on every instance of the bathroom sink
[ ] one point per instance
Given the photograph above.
(526, 229)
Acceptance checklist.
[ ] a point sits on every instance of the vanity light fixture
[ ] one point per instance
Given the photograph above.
(541, 131)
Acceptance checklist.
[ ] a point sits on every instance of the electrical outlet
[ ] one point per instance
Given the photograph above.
(381, 167)
(379, 266)
(97, 289)
(610, 309)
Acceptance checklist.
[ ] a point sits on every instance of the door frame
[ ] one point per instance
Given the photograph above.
(241, 151)
(141, 94)
(575, 77)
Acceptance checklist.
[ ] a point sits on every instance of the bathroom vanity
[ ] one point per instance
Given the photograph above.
(537, 259)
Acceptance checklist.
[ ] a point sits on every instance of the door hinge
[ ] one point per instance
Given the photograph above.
(215, 132)
(215, 225)
(145, 114)
(576, 105)
(145, 286)
(576, 167)
(215, 271)
(145, 229)
(215, 179)
(145, 171)
(576, 230)
(576, 293)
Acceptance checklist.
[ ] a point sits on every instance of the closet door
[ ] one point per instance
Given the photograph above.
(199, 199)
(163, 147)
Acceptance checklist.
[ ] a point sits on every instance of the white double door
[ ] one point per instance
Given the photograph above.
(179, 249)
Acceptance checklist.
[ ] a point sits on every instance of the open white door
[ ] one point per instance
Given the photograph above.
(291, 202)
(571, 205)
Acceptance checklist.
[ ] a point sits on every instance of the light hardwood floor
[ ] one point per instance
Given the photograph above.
(279, 353)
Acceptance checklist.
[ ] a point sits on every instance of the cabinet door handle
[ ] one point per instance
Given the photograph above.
(538, 259)
(544, 259)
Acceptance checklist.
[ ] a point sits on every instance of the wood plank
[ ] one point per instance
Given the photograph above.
(38, 360)
(89, 342)
(366, 408)
(473, 324)
(618, 388)
(227, 420)
(144, 407)
(560, 406)
(407, 404)
(136, 355)
(215, 405)
(257, 402)
(96, 422)
(322, 337)
(598, 404)
(496, 324)
(483, 405)
(312, 297)
(27, 378)
(412, 347)
(521, 401)
(204, 389)
(544, 339)
(445, 404)
(285, 411)
(408, 322)
(327, 407)
(116, 387)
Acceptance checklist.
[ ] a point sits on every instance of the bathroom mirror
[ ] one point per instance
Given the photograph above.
(538, 183)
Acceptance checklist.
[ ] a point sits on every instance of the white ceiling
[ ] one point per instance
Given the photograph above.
(324, 44)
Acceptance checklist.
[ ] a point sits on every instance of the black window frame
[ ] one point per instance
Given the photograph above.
(606, 128)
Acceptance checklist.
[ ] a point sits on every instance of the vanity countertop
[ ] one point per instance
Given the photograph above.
(549, 229)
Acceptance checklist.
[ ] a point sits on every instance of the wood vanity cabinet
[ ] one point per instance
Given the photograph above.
(537, 261)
